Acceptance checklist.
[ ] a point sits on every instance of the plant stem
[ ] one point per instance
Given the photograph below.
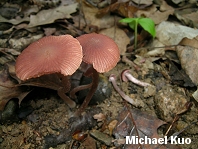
(136, 25)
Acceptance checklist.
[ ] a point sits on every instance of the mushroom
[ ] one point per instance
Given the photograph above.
(149, 90)
(101, 53)
(52, 55)
(127, 76)
(137, 103)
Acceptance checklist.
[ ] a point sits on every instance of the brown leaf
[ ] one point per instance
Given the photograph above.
(91, 19)
(14, 21)
(99, 117)
(187, 16)
(119, 36)
(49, 31)
(148, 2)
(190, 42)
(156, 14)
(112, 125)
(146, 125)
(49, 16)
(188, 57)
(179, 77)
(89, 143)
(8, 54)
(169, 33)
(123, 9)
(9, 90)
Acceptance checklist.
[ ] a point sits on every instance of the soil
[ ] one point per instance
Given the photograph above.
(50, 116)
(43, 121)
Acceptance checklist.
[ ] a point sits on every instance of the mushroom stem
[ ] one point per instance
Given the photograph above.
(95, 78)
(66, 85)
(66, 99)
(112, 79)
(127, 76)
(82, 70)
(79, 88)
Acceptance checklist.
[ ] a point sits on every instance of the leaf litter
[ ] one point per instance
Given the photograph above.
(48, 125)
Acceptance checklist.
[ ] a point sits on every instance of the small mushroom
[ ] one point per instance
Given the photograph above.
(102, 54)
(137, 103)
(59, 55)
(149, 90)
(127, 76)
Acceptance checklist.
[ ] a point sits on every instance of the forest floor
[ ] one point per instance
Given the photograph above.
(34, 117)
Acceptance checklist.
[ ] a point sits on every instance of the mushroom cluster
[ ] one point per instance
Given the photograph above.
(63, 55)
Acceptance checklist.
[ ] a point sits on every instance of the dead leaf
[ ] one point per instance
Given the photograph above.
(187, 16)
(13, 21)
(49, 31)
(24, 41)
(91, 19)
(156, 52)
(190, 42)
(89, 143)
(170, 33)
(179, 77)
(50, 15)
(119, 36)
(195, 95)
(146, 125)
(7, 55)
(27, 11)
(112, 126)
(101, 137)
(11, 69)
(99, 117)
(8, 90)
(11, 51)
(188, 57)
(157, 15)
(147, 2)
(122, 8)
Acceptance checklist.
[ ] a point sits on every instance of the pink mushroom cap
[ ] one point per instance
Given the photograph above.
(50, 54)
(99, 50)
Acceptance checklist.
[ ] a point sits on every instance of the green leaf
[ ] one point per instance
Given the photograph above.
(128, 20)
(148, 25)
(132, 25)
